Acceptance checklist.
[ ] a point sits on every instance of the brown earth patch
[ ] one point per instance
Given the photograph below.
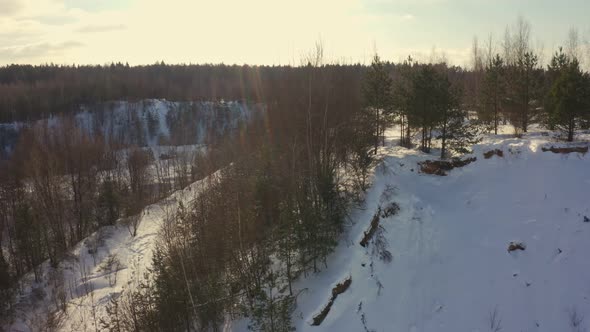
(516, 246)
(441, 167)
(372, 228)
(491, 153)
(337, 290)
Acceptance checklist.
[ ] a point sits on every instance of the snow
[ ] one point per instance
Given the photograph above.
(451, 270)
(86, 285)
(120, 116)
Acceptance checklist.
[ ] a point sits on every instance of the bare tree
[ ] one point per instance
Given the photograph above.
(477, 65)
(522, 38)
(489, 50)
(573, 45)
(507, 47)
(110, 267)
(477, 56)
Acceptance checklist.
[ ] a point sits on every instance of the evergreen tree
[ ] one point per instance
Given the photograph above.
(377, 93)
(494, 89)
(361, 154)
(109, 204)
(402, 99)
(558, 62)
(30, 236)
(452, 128)
(458, 133)
(526, 90)
(272, 308)
(424, 111)
(568, 101)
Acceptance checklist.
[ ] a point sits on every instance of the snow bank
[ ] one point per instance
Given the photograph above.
(451, 270)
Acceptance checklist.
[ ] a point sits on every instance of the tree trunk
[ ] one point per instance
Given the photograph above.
(496, 114)
(570, 130)
(377, 136)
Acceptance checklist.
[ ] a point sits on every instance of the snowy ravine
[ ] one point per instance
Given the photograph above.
(87, 288)
(451, 270)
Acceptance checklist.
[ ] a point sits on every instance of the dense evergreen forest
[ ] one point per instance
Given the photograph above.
(287, 180)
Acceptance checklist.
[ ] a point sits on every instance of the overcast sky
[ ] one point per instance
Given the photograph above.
(268, 31)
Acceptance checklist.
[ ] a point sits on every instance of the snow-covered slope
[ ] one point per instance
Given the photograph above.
(84, 283)
(155, 122)
(451, 270)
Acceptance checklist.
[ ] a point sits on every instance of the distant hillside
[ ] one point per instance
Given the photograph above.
(149, 122)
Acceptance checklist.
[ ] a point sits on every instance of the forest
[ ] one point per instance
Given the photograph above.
(284, 183)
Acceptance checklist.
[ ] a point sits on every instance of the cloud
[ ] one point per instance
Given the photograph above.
(255, 31)
(96, 5)
(94, 28)
(10, 7)
(19, 36)
(54, 19)
(36, 51)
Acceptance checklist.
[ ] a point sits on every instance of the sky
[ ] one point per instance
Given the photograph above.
(270, 31)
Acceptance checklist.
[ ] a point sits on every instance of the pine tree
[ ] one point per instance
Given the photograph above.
(494, 89)
(424, 110)
(109, 204)
(452, 117)
(272, 308)
(361, 154)
(568, 101)
(456, 131)
(377, 93)
(401, 99)
(526, 89)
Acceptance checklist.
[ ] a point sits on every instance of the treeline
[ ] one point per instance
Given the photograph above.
(509, 84)
(34, 92)
(453, 106)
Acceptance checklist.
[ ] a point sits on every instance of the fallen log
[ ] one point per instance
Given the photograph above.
(579, 149)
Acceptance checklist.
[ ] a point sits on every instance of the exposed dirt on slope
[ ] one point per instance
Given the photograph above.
(441, 167)
(491, 153)
(340, 288)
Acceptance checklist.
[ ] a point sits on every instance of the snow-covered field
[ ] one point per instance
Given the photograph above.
(451, 270)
